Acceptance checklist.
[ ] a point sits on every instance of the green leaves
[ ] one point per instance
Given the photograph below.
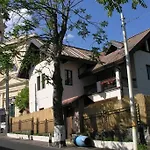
(7, 54)
(4, 9)
(111, 5)
(22, 99)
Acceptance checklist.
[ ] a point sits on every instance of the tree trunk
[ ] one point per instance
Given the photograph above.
(59, 128)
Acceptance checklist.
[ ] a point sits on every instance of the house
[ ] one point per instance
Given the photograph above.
(112, 84)
(114, 61)
(86, 81)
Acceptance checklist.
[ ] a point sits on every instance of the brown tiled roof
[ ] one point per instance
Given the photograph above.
(117, 44)
(74, 52)
(119, 54)
(77, 53)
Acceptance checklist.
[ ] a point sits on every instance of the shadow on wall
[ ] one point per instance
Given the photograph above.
(4, 148)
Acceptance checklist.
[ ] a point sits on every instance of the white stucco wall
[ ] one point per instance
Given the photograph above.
(77, 89)
(141, 59)
(43, 98)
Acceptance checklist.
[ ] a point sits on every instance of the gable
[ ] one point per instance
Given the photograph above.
(12, 81)
(114, 45)
(117, 56)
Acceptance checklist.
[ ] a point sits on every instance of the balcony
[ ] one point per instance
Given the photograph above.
(102, 90)
(108, 84)
(100, 86)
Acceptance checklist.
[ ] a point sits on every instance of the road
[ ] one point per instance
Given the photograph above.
(15, 144)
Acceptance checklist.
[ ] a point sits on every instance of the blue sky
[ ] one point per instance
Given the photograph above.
(113, 30)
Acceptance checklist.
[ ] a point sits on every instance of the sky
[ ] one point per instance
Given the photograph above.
(137, 21)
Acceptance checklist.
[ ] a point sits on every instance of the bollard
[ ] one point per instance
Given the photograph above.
(60, 144)
(50, 139)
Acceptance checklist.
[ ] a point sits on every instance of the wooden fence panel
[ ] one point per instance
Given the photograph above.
(38, 122)
(108, 120)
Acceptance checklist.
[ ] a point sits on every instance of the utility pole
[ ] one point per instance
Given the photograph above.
(130, 86)
(2, 28)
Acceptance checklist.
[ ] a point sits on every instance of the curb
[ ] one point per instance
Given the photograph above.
(97, 143)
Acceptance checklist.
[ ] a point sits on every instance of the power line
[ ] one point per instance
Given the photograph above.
(133, 19)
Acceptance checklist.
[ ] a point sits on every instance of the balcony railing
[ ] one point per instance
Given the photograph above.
(108, 83)
(105, 85)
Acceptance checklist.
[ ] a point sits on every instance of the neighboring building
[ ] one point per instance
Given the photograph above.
(15, 84)
(86, 81)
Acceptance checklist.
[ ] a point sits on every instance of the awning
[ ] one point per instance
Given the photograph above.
(71, 100)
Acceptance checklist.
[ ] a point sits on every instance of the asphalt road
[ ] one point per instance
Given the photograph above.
(15, 144)
(18, 144)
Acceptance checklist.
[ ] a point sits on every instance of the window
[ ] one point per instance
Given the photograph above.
(38, 83)
(43, 80)
(148, 71)
(68, 77)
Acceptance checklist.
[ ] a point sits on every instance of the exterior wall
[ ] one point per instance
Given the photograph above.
(142, 59)
(43, 98)
(126, 91)
(77, 89)
(124, 71)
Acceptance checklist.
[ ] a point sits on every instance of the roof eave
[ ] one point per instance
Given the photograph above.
(79, 59)
(108, 66)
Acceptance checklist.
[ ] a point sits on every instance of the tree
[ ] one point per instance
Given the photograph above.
(22, 99)
(53, 19)
(111, 5)
(7, 54)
